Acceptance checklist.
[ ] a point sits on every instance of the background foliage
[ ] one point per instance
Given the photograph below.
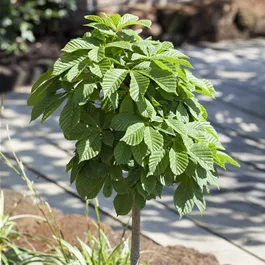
(132, 110)
(20, 19)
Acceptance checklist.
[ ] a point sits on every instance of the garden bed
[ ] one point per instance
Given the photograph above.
(74, 226)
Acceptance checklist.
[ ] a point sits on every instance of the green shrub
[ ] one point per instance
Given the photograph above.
(18, 19)
(132, 110)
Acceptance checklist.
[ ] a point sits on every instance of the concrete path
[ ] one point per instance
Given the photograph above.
(233, 226)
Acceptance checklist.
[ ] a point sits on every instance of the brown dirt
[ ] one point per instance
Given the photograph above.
(76, 226)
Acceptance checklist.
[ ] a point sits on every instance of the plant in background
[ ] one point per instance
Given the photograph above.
(18, 20)
(8, 232)
(10, 252)
(132, 110)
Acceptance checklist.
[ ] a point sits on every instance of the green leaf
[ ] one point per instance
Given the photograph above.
(107, 138)
(134, 134)
(187, 194)
(154, 160)
(82, 92)
(141, 190)
(146, 108)
(138, 85)
(102, 29)
(134, 175)
(166, 66)
(87, 149)
(122, 153)
(108, 188)
(126, 105)
(75, 71)
(182, 113)
(191, 168)
(202, 86)
(97, 54)
(204, 176)
(149, 184)
(185, 63)
(202, 154)
(80, 132)
(122, 121)
(110, 103)
(164, 79)
(39, 92)
(123, 203)
(222, 158)
(102, 169)
(139, 153)
(80, 44)
(178, 161)
(139, 201)
(171, 55)
(55, 102)
(162, 165)
(153, 139)
(43, 78)
(120, 44)
(39, 108)
(76, 169)
(128, 19)
(177, 126)
(121, 186)
(106, 155)
(197, 131)
(69, 118)
(104, 65)
(68, 61)
(88, 187)
(194, 107)
(98, 19)
(95, 69)
(112, 80)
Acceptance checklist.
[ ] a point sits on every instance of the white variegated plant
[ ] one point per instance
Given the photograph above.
(132, 110)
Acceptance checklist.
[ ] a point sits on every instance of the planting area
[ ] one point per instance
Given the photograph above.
(233, 226)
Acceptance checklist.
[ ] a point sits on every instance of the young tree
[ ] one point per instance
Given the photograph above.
(132, 110)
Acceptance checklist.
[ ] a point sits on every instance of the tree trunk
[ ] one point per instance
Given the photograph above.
(135, 244)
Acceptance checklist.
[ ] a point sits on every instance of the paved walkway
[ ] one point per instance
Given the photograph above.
(233, 226)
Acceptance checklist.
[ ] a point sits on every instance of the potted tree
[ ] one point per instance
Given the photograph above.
(131, 108)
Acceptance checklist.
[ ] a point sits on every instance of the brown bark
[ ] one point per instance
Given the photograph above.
(135, 244)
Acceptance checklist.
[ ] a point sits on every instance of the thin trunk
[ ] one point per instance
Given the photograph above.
(135, 244)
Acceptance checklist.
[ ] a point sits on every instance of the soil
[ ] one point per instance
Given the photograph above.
(76, 226)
